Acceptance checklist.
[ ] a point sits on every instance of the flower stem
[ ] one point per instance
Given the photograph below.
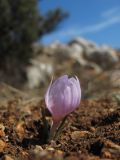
(53, 129)
(60, 128)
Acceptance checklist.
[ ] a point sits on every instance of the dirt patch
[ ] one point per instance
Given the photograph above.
(91, 132)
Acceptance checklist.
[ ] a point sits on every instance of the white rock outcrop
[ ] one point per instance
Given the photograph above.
(85, 53)
(38, 73)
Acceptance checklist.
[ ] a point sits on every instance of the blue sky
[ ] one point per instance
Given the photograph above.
(96, 20)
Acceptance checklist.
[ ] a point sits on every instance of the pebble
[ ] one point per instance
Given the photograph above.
(106, 154)
(6, 157)
(92, 129)
(76, 135)
(2, 145)
(20, 129)
(50, 149)
(112, 145)
(38, 151)
(25, 154)
(59, 153)
(2, 133)
(2, 128)
(38, 148)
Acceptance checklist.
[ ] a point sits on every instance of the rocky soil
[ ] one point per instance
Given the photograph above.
(92, 132)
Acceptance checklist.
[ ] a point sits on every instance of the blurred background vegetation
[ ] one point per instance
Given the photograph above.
(21, 25)
(28, 63)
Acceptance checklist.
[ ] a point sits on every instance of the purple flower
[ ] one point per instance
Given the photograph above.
(63, 97)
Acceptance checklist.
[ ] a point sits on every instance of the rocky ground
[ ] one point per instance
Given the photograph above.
(92, 132)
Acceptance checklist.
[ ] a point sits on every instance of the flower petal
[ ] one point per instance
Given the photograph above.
(79, 89)
(56, 97)
(67, 99)
(74, 92)
(60, 81)
(63, 96)
(48, 93)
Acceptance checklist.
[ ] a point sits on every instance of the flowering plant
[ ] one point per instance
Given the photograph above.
(62, 97)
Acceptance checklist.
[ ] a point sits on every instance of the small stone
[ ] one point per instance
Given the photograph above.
(52, 143)
(112, 145)
(2, 133)
(73, 128)
(38, 148)
(50, 149)
(76, 135)
(43, 153)
(39, 152)
(2, 127)
(111, 110)
(92, 129)
(11, 119)
(60, 153)
(2, 145)
(6, 157)
(106, 154)
(20, 129)
(25, 154)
